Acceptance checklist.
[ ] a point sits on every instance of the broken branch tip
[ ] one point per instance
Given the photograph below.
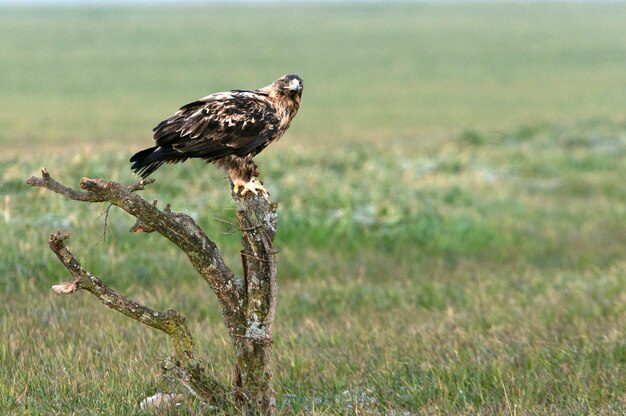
(66, 288)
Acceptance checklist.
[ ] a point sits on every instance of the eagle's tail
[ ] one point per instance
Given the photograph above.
(148, 160)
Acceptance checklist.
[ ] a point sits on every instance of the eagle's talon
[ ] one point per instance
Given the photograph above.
(244, 191)
(242, 188)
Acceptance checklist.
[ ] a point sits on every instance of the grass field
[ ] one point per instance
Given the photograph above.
(452, 226)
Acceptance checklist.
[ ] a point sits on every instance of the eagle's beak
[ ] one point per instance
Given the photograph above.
(295, 85)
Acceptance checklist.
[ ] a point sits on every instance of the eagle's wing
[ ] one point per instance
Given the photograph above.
(234, 122)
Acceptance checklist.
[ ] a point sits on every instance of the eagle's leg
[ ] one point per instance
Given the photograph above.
(244, 174)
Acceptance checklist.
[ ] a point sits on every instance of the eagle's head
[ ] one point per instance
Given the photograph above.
(289, 85)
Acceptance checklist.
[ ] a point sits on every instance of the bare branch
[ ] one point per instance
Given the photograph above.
(179, 228)
(141, 185)
(47, 182)
(170, 322)
(103, 237)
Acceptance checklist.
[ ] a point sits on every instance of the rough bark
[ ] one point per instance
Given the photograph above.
(248, 303)
(257, 220)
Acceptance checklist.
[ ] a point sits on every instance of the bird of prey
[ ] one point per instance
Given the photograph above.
(226, 128)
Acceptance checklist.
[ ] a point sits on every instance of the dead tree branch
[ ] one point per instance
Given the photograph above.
(170, 322)
(248, 303)
(179, 228)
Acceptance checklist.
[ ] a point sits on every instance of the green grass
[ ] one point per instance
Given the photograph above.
(441, 282)
(452, 214)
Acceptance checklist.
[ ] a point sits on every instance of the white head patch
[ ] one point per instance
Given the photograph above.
(295, 84)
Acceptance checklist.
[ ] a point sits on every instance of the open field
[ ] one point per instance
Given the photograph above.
(452, 227)
(378, 72)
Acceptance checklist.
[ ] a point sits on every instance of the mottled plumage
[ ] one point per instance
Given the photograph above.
(228, 128)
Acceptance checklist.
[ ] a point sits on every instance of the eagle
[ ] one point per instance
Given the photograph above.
(226, 128)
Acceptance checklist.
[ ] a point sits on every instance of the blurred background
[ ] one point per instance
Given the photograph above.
(452, 222)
